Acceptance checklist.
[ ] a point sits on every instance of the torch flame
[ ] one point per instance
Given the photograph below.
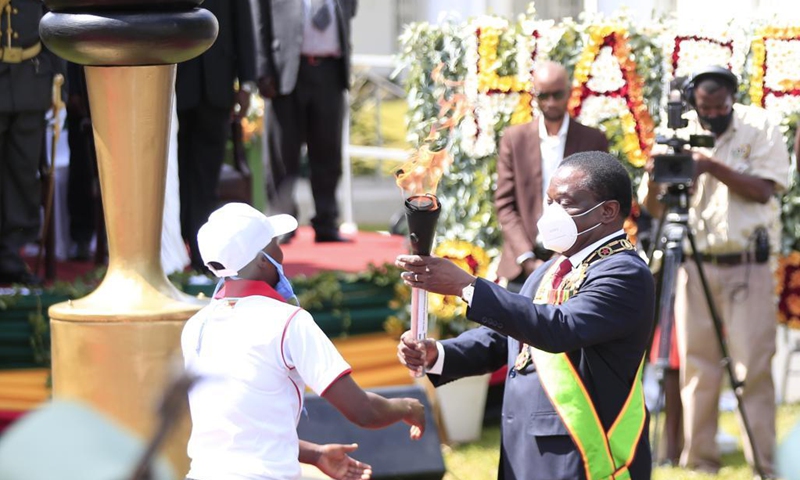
(421, 174)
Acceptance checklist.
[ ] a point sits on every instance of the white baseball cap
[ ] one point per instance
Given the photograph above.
(235, 233)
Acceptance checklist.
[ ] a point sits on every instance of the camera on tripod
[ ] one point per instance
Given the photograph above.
(677, 168)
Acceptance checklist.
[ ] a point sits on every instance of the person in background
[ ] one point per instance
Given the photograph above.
(735, 217)
(527, 157)
(27, 69)
(304, 70)
(258, 350)
(206, 98)
(83, 188)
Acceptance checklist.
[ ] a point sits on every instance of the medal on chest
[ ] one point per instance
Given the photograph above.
(523, 358)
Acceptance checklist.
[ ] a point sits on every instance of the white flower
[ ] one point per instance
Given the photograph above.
(484, 146)
(695, 55)
(606, 74)
(595, 109)
(782, 106)
(709, 48)
(783, 63)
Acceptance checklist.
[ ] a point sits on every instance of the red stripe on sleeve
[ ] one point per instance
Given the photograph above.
(346, 372)
(283, 337)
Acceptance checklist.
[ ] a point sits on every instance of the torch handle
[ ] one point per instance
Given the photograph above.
(419, 319)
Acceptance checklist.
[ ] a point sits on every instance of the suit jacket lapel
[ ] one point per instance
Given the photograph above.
(534, 160)
(573, 142)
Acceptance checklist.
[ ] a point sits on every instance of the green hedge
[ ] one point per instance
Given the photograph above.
(341, 303)
(24, 332)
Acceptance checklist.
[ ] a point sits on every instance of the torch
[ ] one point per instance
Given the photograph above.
(420, 176)
(422, 212)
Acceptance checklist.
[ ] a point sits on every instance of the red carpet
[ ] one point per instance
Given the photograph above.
(301, 255)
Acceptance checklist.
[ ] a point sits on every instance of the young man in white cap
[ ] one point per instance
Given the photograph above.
(258, 353)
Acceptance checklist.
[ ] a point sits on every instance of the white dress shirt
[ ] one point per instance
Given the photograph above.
(318, 43)
(552, 154)
(552, 148)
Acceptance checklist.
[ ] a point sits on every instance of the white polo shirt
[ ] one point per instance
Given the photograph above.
(257, 354)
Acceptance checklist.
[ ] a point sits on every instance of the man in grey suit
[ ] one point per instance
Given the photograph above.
(26, 85)
(304, 69)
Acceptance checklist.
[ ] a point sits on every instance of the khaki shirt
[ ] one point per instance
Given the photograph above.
(723, 221)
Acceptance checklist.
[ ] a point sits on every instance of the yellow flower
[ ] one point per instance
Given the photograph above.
(523, 112)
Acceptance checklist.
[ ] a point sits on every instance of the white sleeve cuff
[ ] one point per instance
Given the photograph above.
(436, 369)
(524, 257)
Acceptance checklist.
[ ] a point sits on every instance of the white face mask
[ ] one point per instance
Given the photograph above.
(558, 229)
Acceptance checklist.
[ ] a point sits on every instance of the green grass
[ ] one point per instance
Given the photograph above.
(478, 461)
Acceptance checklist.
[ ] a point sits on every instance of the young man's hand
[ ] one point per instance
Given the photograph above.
(415, 417)
(335, 462)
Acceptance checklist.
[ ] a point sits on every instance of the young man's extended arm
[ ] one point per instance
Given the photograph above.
(370, 410)
(306, 348)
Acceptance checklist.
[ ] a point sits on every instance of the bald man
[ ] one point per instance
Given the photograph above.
(528, 156)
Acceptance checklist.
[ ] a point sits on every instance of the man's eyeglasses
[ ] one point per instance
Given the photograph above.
(557, 95)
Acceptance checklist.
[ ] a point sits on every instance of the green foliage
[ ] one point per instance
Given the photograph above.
(466, 189)
(567, 50)
(790, 200)
(35, 303)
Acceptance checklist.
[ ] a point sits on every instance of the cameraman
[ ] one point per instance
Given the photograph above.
(732, 209)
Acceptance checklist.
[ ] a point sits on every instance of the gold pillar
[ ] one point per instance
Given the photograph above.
(115, 348)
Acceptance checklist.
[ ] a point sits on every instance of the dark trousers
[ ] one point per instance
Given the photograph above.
(311, 114)
(202, 135)
(83, 199)
(21, 142)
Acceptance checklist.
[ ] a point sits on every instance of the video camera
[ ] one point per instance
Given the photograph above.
(677, 167)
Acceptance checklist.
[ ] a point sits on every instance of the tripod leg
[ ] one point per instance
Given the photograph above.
(673, 428)
(671, 242)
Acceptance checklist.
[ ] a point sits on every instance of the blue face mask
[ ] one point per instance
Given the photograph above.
(284, 288)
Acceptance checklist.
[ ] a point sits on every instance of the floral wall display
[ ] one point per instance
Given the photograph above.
(775, 86)
(490, 61)
(775, 70)
(607, 88)
(689, 48)
(620, 72)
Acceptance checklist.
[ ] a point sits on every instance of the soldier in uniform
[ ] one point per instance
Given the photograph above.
(26, 83)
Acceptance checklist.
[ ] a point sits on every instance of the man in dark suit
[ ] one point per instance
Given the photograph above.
(528, 156)
(83, 192)
(305, 70)
(583, 335)
(26, 85)
(205, 99)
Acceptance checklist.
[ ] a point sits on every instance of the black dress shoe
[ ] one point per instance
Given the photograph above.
(331, 237)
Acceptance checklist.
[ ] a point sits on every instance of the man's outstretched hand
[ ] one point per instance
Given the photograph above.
(433, 274)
